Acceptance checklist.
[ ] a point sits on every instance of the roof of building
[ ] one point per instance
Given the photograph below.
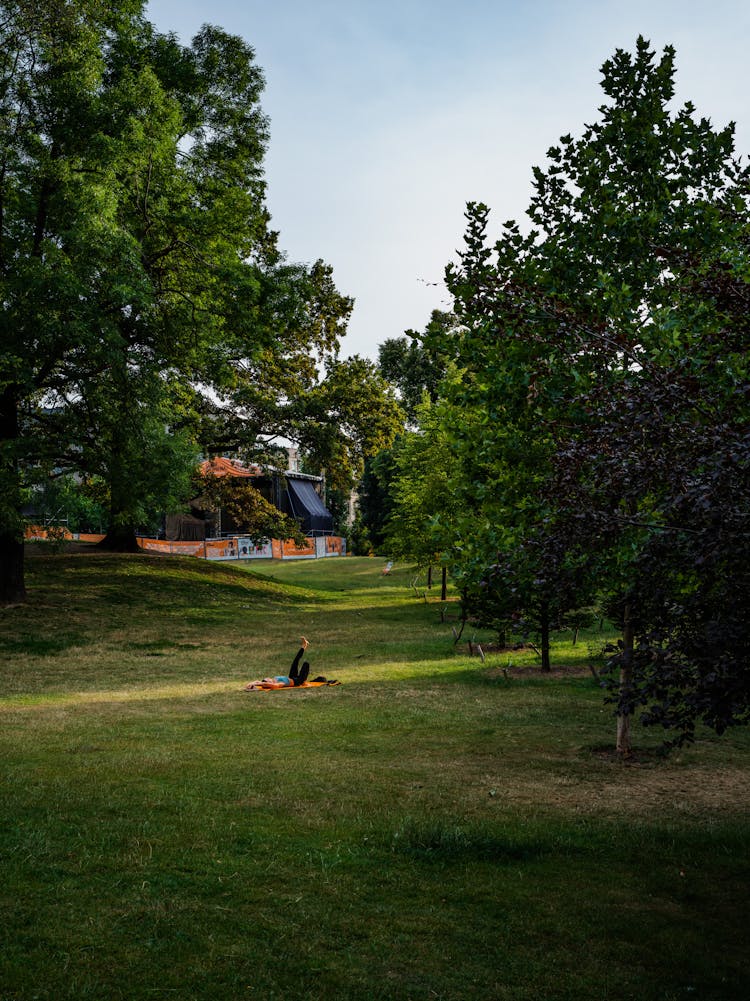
(221, 466)
(228, 467)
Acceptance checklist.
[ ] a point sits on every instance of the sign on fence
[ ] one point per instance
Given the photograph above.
(240, 548)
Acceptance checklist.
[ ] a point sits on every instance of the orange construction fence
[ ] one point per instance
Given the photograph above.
(36, 532)
(236, 548)
(239, 548)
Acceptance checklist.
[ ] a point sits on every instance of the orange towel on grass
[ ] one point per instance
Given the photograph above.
(272, 687)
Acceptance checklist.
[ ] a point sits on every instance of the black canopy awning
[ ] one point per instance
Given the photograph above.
(306, 505)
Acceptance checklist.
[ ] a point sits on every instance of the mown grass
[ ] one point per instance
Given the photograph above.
(429, 829)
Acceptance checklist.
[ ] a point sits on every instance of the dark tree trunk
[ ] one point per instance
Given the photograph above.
(120, 537)
(12, 587)
(624, 745)
(444, 585)
(429, 576)
(545, 630)
(463, 612)
(120, 540)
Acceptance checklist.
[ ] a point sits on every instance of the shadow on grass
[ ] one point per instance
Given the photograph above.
(441, 841)
(146, 577)
(446, 668)
(41, 646)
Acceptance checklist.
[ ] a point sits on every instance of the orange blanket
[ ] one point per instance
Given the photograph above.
(274, 687)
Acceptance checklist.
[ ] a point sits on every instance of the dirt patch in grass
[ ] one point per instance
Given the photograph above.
(531, 671)
(648, 792)
(637, 757)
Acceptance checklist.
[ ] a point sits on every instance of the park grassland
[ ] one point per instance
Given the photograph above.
(431, 828)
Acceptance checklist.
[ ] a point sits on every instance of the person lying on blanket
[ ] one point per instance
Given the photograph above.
(296, 678)
(297, 675)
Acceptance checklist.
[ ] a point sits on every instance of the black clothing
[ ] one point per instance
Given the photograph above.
(298, 675)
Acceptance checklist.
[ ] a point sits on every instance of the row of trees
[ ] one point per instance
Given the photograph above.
(589, 439)
(147, 311)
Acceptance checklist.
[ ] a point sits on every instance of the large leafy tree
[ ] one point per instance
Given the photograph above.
(58, 227)
(351, 415)
(189, 191)
(141, 280)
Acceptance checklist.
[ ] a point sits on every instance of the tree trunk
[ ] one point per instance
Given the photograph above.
(429, 576)
(120, 539)
(624, 746)
(12, 587)
(444, 585)
(545, 630)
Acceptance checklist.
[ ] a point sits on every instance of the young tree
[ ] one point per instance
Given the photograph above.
(420, 525)
(603, 359)
(498, 404)
(247, 507)
(647, 242)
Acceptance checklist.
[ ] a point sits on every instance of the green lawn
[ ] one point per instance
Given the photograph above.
(429, 829)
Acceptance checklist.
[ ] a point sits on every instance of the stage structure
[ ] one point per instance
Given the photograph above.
(296, 494)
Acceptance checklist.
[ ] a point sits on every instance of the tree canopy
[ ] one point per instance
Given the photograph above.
(415, 372)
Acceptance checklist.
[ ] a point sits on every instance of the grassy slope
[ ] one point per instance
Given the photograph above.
(425, 830)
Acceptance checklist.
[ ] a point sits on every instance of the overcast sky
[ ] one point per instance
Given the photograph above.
(388, 116)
